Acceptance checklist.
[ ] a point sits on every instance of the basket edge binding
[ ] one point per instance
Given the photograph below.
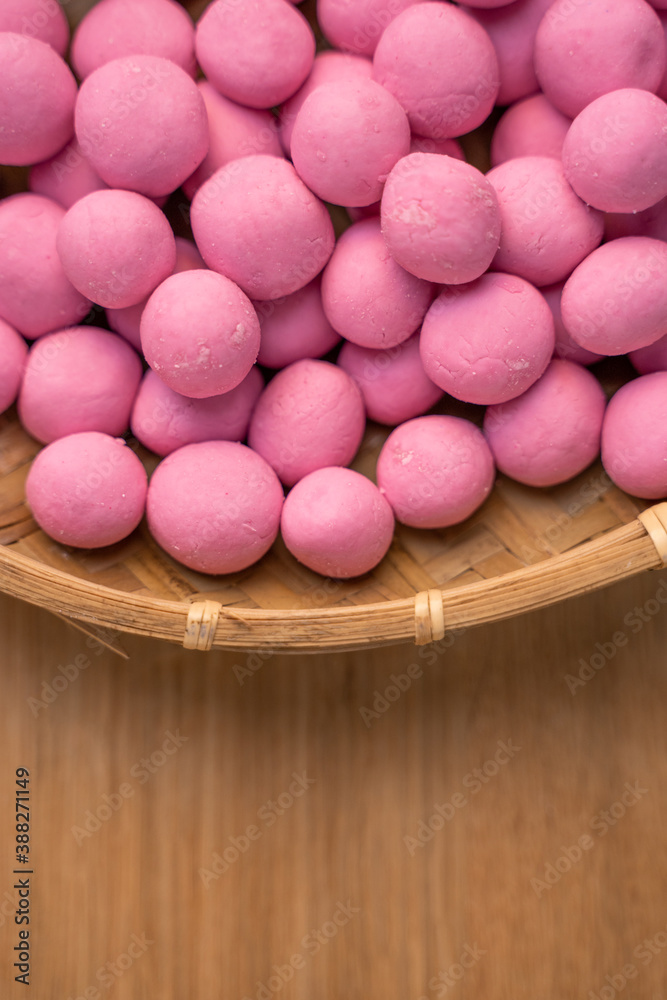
(203, 625)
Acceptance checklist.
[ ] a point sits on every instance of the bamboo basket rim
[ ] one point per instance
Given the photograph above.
(431, 616)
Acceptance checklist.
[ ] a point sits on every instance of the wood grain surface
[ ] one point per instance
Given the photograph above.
(394, 916)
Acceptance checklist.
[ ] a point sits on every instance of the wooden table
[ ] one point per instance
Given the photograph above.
(218, 825)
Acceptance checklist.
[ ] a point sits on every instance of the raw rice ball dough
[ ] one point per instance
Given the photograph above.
(127, 321)
(652, 358)
(39, 91)
(66, 177)
(328, 67)
(616, 300)
(488, 341)
(13, 351)
(346, 138)
(311, 415)
(546, 230)
(512, 28)
(214, 506)
(276, 44)
(80, 379)
(116, 247)
(337, 522)
(367, 296)
(163, 420)
(584, 50)
(256, 222)
(294, 327)
(440, 65)
(116, 28)
(634, 437)
(552, 432)
(393, 383)
(87, 490)
(39, 19)
(357, 26)
(142, 122)
(200, 333)
(233, 131)
(532, 127)
(615, 153)
(440, 218)
(435, 471)
(36, 295)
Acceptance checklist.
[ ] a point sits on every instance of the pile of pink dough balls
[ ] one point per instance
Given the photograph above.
(176, 299)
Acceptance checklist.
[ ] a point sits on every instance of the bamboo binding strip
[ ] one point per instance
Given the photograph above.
(615, 555)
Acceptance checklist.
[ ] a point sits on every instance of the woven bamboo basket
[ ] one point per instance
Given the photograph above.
(523, 550)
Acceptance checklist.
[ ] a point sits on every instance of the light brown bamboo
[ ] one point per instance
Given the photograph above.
(614, 556)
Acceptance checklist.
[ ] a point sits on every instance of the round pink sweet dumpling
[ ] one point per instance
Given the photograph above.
(256, 222)
(35, 294)
(440, 65)
(37, 114)
(615, 153)
(80, 379)
(552, 432)
(512, 28)
(532, 127)
(214, 506)
(588, 49)
(337, 522)
(200, 333)
(328, 67)
(233, 131)
(143, 125)
(116, 247)
(13, 351)
(652, 358)
(38, 19)
(66, 177)
(87, 490)
(357, 27)
(116, 28)
(277, 44)
(393, 383)
(346, 138)
(310, 415)
(163, 420)
(565, 347)
(546, 230)
(127, 321)
(294, 328)
(651, 222)
(634, 437)
(616, 300)
(440, 218)
(489, 341)
(435, 471)
(367, 297)
(446, 147)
